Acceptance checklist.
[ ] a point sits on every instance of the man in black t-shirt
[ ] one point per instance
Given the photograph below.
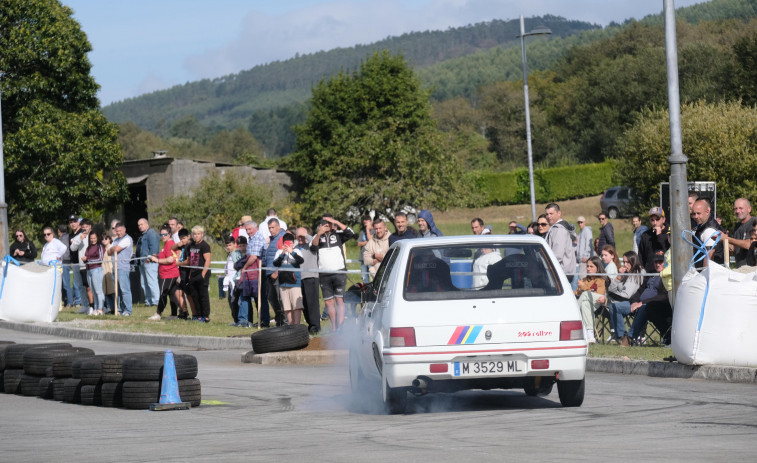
(739, 240)
(198, 276)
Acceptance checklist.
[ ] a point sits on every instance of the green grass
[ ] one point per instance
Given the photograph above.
(648, 353)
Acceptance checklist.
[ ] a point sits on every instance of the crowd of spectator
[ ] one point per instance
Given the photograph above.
(270, 266)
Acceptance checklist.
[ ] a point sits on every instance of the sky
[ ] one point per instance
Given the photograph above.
(140, 46)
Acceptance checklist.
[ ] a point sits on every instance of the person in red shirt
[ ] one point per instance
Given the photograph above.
(168, 274)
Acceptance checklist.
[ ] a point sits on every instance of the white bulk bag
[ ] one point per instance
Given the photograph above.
(715, 318)
(30, 293)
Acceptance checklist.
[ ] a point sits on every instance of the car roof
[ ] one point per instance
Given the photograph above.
(469, 240)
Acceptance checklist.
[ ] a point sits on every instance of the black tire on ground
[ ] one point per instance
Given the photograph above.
(150, 368)
(538, 386)
(71, 390)
(2, 380)
(571, 392)
(12, 380)
(280, 338)
(3, 346)
(111, 394)
(46, 387)
(395, 399)
(58, 388)
(29, 385)
(38, 361)
(91, 394)
(14, 353)
(113, 367)
(61, 367)
(139, 395)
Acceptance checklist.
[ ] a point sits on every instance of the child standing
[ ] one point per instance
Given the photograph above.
(290, 258)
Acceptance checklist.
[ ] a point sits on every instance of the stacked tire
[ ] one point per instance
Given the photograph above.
(143, 380)
(280, 338)
(14, 375)
(76, 375)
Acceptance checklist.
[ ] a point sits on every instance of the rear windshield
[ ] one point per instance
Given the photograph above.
(465, 272)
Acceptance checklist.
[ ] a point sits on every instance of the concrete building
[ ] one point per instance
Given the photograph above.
(153, 180)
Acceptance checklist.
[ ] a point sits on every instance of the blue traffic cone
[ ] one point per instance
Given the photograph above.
(169, 388)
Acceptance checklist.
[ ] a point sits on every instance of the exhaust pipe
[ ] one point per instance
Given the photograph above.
(420, 386)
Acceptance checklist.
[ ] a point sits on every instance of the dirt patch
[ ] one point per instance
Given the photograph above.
(332, 342)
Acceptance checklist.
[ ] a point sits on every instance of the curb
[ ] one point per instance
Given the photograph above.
(295, 357)
(672, 370)
(197, 342)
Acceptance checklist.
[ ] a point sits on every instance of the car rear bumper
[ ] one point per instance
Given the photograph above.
(403, 366)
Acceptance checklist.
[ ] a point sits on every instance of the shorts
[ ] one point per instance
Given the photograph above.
(291, 298)
(332, 285)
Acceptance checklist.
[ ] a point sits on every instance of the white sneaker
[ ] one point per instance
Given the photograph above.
(91, 311)
(590, 336)
(155, 317)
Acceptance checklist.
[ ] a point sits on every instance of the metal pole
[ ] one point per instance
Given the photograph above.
(679, 204)
(528, 121)
(3, 205)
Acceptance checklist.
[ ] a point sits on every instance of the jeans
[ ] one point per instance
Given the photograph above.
(246, 311)
(148, 277)
(95, 280)
(617, 311)
(124, 290)
(657, 312)
(70, 291)
(79, 284)
(365, 274)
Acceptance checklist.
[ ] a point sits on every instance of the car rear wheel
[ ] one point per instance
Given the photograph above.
(538, 386)
(571, 392)
(612, 213)
(394, 398)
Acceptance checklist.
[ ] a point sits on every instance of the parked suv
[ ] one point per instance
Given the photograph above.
(617, 202)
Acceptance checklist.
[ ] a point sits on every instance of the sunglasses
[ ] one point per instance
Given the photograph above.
(19, 236)
(164, 234)
(603, 218)
(542, 224)
(48, 234)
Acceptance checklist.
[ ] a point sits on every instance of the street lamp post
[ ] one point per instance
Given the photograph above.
(538, 31)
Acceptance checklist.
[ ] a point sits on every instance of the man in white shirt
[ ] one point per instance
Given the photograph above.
(53, 248)
(271, 214)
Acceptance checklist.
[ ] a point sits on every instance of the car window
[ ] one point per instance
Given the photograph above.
(609, 194)
(623, 194)
(464, 272)
(383, 273)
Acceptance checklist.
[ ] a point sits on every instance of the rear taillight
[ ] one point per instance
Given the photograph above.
(438, 368)
(571, 331)
(402, 337)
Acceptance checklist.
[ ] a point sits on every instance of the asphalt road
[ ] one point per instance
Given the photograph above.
(306, 414)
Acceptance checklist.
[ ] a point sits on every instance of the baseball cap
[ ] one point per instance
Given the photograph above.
(658, 257)
(73, 218)
(581, 219)
(657, 211)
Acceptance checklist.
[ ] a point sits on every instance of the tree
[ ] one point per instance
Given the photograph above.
(369, 143)
(218, 202)
(719, 140)
(61, 154)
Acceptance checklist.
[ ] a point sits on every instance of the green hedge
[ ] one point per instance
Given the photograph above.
(553, 184)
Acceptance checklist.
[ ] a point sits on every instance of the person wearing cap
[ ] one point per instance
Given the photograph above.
(75, 226)
(327, 242)
(638, 229)
(655, 240)
(585, 248)
(78, 247)
(653, 305)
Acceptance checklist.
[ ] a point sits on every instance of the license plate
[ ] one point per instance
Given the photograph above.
(490, 368)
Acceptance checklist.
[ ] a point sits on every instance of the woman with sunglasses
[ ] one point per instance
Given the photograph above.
(23, 249)
(542, 226)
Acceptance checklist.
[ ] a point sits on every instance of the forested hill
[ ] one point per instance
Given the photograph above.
(228, 101)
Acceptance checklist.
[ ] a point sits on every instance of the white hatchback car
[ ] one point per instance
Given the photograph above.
(469, 312)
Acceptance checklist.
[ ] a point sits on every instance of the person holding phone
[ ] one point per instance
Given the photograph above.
(289, 257)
